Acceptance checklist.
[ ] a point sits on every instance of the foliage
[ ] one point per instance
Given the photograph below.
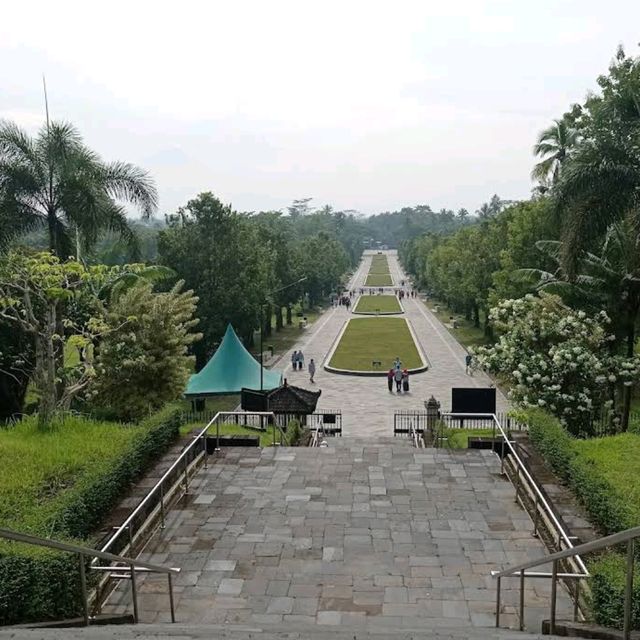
(143, 360)
(608, 578)
(555, 358)
(221, 257)
(600, 183)
(60, 484)
(54, 181)
(556, 143)
(603, 473)
(381, 339)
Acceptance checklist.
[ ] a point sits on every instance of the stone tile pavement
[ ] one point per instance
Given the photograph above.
(360, 534)
(366, 404)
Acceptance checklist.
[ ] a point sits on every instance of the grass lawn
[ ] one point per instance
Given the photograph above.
(378, 280)
(266, 437)
(373, 304)
(466, 334)
(39, 468)
(379, 264)
(617, 459)
(458, 438)
(380, 338)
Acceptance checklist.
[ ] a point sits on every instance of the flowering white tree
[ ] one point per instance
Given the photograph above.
(557, 358)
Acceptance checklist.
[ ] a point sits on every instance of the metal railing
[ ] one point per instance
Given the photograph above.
(520, 570)
(126, 568)
(415, 437)
(541, 509)
(154, 504)
(402, 421)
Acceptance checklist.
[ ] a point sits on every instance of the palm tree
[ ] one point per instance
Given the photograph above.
(53, 181)
(554, 145)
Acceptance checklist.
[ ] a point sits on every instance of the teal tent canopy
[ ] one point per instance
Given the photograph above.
(231, 369)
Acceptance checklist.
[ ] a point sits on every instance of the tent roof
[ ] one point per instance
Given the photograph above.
(231, 369)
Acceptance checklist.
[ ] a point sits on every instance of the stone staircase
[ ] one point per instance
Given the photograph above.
(428, 631)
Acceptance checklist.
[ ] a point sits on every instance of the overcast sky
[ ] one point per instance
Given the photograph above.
(363, 105)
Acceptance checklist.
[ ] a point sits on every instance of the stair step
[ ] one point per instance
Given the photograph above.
(432, 629)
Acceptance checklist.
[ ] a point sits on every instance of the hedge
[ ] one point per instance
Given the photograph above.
(39, 584)
(608, 505)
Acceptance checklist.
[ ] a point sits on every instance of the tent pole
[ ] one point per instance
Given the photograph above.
(261, 350)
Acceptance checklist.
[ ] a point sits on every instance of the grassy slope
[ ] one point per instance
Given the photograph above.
(37, 467)
(616, 458)
(371, 304)
(379, 338)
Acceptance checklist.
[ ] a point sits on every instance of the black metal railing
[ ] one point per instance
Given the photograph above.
(405, 421)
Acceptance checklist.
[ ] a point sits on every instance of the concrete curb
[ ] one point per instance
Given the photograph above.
(355, 372)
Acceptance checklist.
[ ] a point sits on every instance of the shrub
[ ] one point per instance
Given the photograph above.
(603, 474)
(69, 483)
(143, 360)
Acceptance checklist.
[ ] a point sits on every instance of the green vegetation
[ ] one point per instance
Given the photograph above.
(61, 484)
(374, 304)
(379, 265)
(466, 333)
(459, 438)
(604, 473)
(378, 280)
(382, 339)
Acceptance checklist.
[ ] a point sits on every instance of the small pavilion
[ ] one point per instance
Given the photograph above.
(231, 369)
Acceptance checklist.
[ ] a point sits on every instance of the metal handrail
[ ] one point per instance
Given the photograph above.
(131, 565)
(181, 459)
(571, 552)
(414, 435)
(522, 469)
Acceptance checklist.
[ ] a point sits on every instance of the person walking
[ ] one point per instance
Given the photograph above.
(397, 365)
(397, 376)
(405, 380)
(468, 359)
(390, 375)
(300, 360)
(312, 370)
(294, 360)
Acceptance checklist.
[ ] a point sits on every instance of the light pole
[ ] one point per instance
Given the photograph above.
(262, 304)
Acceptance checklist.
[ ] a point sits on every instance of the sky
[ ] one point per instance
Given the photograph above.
(362, 105)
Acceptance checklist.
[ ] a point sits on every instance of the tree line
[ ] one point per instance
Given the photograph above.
(577, 238)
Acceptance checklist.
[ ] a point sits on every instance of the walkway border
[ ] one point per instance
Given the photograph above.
(355, 372)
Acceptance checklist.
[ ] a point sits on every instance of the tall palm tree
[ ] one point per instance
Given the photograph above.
(554, 145)
(53, 181)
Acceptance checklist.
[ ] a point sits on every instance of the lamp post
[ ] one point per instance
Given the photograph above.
(262, 304)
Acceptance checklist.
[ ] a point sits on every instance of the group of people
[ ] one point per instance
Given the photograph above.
(343, 300)
(398, 375)
(401, 293)
(297, 364)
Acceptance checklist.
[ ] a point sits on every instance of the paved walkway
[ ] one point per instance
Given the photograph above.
(366, 404)
(367, 535)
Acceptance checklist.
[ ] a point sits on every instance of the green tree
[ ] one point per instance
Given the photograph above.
(221, 256)
(53, 181)
(554, 146)
(143, 360)
(600, 183)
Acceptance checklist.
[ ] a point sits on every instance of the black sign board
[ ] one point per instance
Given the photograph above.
(473, 401)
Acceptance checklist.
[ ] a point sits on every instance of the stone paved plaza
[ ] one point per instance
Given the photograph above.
(370, 535)
(365, 402)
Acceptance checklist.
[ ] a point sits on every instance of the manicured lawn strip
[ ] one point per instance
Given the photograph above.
(368, 339)
(458, 438)
(378, 280)
(266, 437)
(373, 304)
